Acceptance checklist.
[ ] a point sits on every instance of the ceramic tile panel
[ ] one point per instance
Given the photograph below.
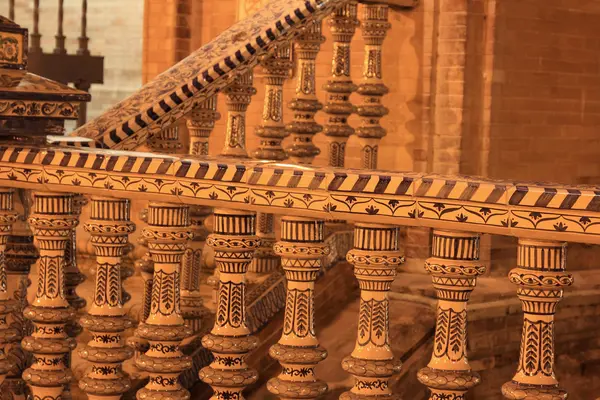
(174, 93)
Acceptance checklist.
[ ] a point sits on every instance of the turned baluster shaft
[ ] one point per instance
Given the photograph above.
(83, 38)
(52, 223)
(167, 234)
(375, 257)
(343, 23)
(36, 38)
(238, 94)
(109, 227)
(541, 276)
(305, 104)
(60, 37)
(374, 29)
(301, 249)
(454, 265)
(234, 241)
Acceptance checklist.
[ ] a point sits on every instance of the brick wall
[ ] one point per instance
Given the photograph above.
(545, 102)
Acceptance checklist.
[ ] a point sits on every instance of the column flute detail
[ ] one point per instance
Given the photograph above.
(167, 234)
(305, 104)
(343, 23)
(374, 30)
(375, 256)
(52, 223)
(541, 276)
(234, 241)
(109, 226)
(8, 334)
(301, 249)
(454, 266)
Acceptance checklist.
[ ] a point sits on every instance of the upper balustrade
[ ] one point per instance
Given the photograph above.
(459, 203)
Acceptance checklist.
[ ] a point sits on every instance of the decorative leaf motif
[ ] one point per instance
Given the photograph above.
(561, 227)
(372, 210)
(288, 203)
(462, 217)
(329, 207)
(485, 211)
(585, 220)
(535, 215)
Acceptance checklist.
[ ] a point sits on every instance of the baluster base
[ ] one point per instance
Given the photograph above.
(375, 373)
(516, 391)
(454, 384)
(295, 380)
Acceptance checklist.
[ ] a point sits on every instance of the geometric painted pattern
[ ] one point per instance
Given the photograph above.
(175, 92)
(543, 211)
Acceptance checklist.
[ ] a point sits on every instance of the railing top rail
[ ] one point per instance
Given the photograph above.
(176, 91)
(543, 211)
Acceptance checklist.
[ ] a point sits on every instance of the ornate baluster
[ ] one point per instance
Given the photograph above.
(166, 141)
(167, 234)
(52, 223)
(8, 335)
(20, 255)
(60, 37)
(454, 266)
(109, 227)
(343, 23)
(35, 36)
(374, 29)
(200, 123)
(234, 241)
(73, 276)
(239, 95)
(127, 271)
(192, 305)
(541, 276)
(272, 132)
(146, 267)
(83, 38)
(301, 249)
(305, 105)
(375, 258)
